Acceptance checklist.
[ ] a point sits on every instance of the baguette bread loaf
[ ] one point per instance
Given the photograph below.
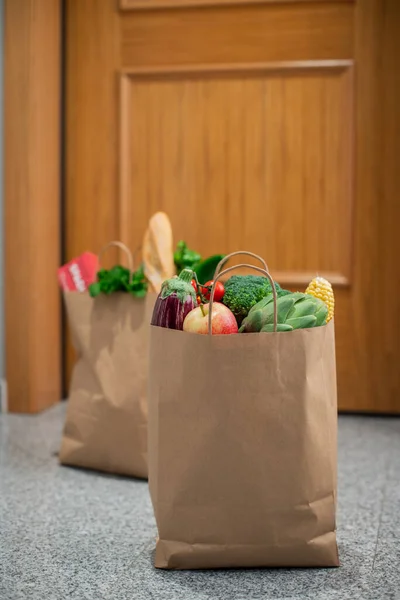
(158, 252)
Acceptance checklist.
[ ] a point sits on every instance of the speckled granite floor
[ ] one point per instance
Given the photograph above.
(70, 534)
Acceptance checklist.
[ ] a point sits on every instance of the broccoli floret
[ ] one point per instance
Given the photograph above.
(244, 291)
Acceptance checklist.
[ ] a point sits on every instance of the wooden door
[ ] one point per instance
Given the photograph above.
(265, 125)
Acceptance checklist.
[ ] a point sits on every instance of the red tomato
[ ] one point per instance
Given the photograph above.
(219, 290)
(194, 285)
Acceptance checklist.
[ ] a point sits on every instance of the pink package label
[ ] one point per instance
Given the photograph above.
(79, 273)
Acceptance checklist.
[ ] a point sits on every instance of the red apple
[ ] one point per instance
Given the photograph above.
(223, 320)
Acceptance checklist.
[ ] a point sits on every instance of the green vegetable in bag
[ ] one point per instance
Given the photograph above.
(295, 311)
(120, 279)
(184, 258)
(242, 292)
(206, 268)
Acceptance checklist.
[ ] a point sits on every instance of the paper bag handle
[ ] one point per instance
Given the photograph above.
(260, 270)
(224, 260)
(123, 247)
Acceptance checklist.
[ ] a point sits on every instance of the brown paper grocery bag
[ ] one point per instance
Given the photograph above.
(242, 448)
(106, 420)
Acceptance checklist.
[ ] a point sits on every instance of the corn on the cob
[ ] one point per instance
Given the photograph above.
(322, 289)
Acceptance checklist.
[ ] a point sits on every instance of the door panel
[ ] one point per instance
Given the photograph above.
(248, 123)
(155, 4)
(272, 166)
(237, 34)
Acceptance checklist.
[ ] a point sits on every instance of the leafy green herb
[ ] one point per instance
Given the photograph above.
(120, 279)
(184, 258)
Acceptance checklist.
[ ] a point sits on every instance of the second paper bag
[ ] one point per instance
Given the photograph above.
(106, 420)
(242, 448)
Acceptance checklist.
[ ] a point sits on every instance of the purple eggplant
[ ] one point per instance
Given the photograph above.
(176, 299)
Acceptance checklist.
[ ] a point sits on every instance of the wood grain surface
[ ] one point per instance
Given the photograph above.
(249, 34)
(271, 170)
(32, 67)
(157, 4)
(250, 126)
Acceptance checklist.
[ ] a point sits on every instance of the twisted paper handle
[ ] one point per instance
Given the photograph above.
(224, 260)
(123, 247)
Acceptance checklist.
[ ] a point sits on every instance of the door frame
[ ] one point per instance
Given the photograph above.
(32, 202)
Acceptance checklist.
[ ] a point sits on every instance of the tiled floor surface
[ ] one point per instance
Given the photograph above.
(70, 534)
